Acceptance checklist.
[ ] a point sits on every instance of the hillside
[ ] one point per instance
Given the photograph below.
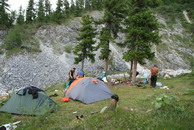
(174, 54)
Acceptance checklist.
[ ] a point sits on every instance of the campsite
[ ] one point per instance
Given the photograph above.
(138, 108)
(96, 65)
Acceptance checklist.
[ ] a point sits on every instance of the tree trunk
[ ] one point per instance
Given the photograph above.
(130, 77)
(106, 65)
(134, 70)
(82, 66)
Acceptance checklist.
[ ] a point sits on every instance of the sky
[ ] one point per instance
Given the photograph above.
(15, 4)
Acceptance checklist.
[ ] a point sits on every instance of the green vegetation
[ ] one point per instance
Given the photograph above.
(138, 109)
(21, 38)
(105, 51)
(13, 38)
(30, 11)
(142, 31)
(192, 62)
(59, 12)
(85, 49)
(20, 18)
(113, 15)
(189, 92)
(68, 48)
(173, 11)
(39, 13)
(6, 19)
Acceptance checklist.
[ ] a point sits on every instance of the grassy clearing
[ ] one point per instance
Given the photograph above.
(135, 109)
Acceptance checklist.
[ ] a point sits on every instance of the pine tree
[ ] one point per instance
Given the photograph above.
(20, 18)
(93, 4)
(30, 12)
(99, 4)
(41, 11)
(88, 4)
(96, 4)
(73, 9)
(105, 37)
(67, 8)
(142, 32)
(113, 15)
(4, 15)
(154, 3)
(47, 7)
(84, 50)
(47, 10)
(12, 18)
(59, 12)
(79, 7)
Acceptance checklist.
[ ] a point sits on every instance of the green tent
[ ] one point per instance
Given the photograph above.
(25, 104)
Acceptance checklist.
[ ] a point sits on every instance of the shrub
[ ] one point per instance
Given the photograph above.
(164, 101)
(13, 39)
(68, 48)
(20, 38)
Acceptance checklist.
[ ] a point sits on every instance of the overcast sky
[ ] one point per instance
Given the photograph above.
(15, 4)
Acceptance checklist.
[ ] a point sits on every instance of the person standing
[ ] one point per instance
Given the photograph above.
(154, 74)
(72, 75)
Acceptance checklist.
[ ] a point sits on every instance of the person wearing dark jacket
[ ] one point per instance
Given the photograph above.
(72, 75)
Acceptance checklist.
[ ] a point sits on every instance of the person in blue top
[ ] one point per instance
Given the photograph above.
(80, 74)
(104, 77)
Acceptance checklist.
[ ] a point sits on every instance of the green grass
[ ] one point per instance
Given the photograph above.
(135, 110)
